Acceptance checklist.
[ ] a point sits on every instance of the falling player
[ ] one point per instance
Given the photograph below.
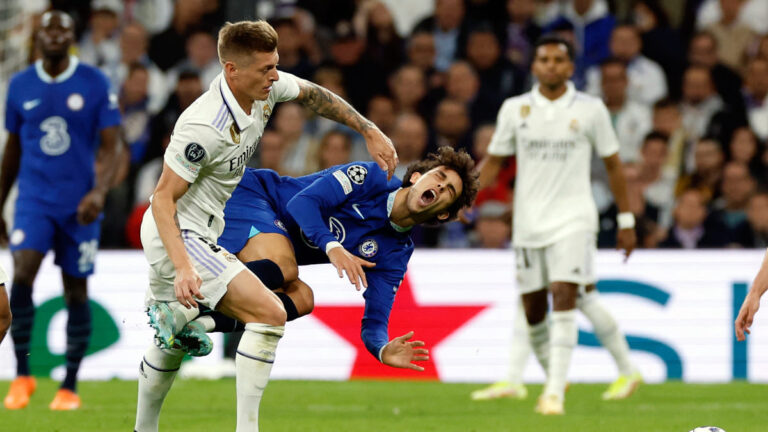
(211, 143)
(59, 116)
(552, 130)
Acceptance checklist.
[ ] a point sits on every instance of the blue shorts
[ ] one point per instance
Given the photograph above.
(74, 245)
(249, 212)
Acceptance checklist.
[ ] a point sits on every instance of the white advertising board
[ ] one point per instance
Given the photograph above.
(677, 309)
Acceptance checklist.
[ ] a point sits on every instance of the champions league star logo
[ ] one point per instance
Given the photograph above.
(368, 248)
(357, 174)
(194, 152)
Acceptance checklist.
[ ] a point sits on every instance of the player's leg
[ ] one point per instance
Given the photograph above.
(532, 284)
(520, 350)
(270, 247)
(157, 372)
(608, 332)
(31, 237)
(250, 302)
(5, 313)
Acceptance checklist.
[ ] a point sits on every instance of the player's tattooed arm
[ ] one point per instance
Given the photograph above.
(329, 105)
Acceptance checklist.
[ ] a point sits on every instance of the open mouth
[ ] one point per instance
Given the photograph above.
(428, 197)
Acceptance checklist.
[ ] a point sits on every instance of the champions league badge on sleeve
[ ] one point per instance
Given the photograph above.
(357, 174)
(194, 152)
(368, 248)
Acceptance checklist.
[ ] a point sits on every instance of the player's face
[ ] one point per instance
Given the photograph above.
(552, 66)
(56, 34)
(433, 192)
(255, 74)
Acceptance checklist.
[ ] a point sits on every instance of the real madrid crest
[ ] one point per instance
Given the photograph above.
(235, 133)
(525, 110)
(574, 126)
(267, 112)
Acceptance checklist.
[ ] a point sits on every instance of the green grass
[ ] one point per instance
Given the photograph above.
(360, 406)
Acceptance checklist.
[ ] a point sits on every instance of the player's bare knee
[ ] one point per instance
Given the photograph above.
(535, 305)
(289, 268)
(589, 288)
(564, 295)
(5, 321)
(274, 314)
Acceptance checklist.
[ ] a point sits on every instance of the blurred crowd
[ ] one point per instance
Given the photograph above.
(686, 83)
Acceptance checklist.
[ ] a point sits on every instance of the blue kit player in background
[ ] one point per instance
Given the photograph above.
(59, 116)
(352, 217)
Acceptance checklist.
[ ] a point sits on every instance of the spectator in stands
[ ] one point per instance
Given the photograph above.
(689, 230)
(408, 90)
(631, 120)
(99, 45)
(168, 48)
(492, 226)
(761, 50)
(647, 82)
(410, 139)
(660, 42)
(451, 126)
(293, 59)
(381, 111)
(335, 148)
(646, 214)
(188, 88)
(700, 103)
(521, 32)
(730, 209)
(753, 14)
(499, 79)
(383, 46)
(592, 24)
(271, 152)
(756, 233)
(655, 179)
(289, 121)
(462, 84)
(449, 31)
(421, 53)
(733, 37)
(362, 77)
(202, 57)
(501, 190)
(708, 169)
(744, 148)
(668, 120)
(756, 96)
(702, 51)
(134, 100)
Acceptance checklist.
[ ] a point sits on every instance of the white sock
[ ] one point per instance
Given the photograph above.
(564, 337)
(538, 334)
(253, 362)
(207, 321)
(520, 348)
(156, 374)
(182, 315)
(607, 330)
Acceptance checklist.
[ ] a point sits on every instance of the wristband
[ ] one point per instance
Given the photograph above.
(331, 245)
(381, 350)
(626, 220)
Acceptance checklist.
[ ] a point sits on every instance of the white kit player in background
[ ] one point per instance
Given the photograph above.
(552, 130)
(211, 143)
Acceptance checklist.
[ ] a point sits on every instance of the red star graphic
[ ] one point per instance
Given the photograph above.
(430, 324)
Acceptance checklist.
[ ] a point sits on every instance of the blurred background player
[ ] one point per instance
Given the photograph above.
(62, 146)
(752, 302)
(5, 307)
(552, 131)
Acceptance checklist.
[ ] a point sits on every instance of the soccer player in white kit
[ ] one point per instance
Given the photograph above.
(552, 130)
(210, 145)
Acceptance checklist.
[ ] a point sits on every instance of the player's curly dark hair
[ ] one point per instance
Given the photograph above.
(459, 161)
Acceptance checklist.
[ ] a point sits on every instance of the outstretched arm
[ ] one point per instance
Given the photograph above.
(752, 301)
(329, 105)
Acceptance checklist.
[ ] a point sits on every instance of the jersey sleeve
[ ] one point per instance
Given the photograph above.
(334, 187)
(108, 111)
(379, 296)
(13, 117)
(503, 140)
(286, 88)
(602, 135)
(193, 146)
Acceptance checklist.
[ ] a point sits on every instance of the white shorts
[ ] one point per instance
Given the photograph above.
(570, 259)
(213, 263)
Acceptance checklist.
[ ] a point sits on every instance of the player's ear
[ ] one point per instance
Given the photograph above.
(415, 177)
(443, 216)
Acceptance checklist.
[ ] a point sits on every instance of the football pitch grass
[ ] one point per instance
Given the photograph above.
(403, 406)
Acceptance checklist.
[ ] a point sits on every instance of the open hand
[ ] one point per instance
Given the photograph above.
(746, 316)
(187, 286)
(382, 151)
(90, 207)
(400, 352)
(350, 264)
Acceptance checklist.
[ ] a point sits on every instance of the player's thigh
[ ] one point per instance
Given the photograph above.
(571, 259)
(248, 300)
(75, 246)
(302, 296)
(275, 247)
(31, 238)
(531, 270)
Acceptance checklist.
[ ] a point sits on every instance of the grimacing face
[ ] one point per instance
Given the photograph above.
(253, 74)
(552, 66)
(433, 192)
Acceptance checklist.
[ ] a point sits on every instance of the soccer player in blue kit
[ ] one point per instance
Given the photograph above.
(352, 217)
(62, 147)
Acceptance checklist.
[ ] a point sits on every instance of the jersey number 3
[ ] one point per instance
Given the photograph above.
(56, 139)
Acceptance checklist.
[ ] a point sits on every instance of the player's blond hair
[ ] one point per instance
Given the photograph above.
(238, 40)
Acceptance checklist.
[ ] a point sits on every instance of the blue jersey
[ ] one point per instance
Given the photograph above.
(58, 122)
(349, 204)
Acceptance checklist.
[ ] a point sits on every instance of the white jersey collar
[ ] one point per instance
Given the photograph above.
(44, 77)
(242, 119)
(390, 204)
(563, 101)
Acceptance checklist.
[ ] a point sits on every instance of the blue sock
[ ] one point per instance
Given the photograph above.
(78, 336)
(23, 311)
(268, 272)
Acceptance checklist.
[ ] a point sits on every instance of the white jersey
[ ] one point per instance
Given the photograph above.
(553, 142)
(212, 141)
